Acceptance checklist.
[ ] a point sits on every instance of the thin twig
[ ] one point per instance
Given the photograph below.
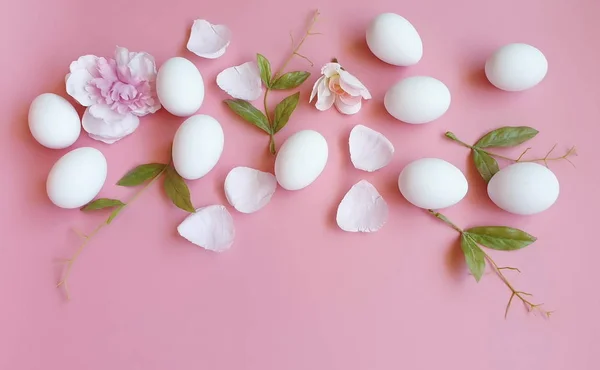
(71, 261)
(522, 154)
(510, 268)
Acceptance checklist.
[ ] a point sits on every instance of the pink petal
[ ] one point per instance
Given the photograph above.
(325, 98)
(210, 228)
(369, 149)
(331, 69)
(315, 88)
(86, 62)
(249, 190)
(347, 108)
(353, 86)
(241, 82)
(106, 125)
(76, 84)
(349, 100)
(208, 40)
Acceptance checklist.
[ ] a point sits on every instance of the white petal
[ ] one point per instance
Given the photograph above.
(241, 82)
(325, 98)
(103, 124)
(347, 108)
(248, 190)
(353, 86)
(210, 228)
(76, 83)
(316, 87)
(208, 40)
(369, 149)
(331, 69)
(362, 209)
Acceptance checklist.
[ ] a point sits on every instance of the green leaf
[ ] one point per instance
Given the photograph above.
(486, 165)
(284, 110)
(249, 113)
(474, 256)
(141, 174)
(501, 238)
(290, 80)
(506, 136)
(102, 203)
(177, 190)
(265, 69)
(114, 214)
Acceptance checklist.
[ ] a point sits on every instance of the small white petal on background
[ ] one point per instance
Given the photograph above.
(241, 82)
(369, 149)
(249, 190)
(209, 227)
(362, 209)
(103, 124)
(208, 40)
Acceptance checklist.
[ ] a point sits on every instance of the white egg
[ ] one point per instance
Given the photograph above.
(301, 159)
(524, 188)
(180, 87)
(394, 40)
(432, 183)
(197, 146)
(53, 121)
(417, 99)
(76, 178)
(516, 67)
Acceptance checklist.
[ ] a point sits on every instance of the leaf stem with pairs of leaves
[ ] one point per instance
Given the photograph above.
(273, 123)
(498, 238)
(118, 207)
(146, 174)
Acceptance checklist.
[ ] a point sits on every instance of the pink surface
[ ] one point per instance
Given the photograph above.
(295, 292)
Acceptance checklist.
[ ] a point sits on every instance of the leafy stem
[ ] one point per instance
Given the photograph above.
(570, 152)
(87, 238)
(495, 237)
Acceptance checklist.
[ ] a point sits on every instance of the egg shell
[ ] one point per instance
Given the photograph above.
(180, 87)
(301, 159)
(524, 188)
(432, 183)
(76, 178)
(197, 146)
(53, 121)
(516, 67)
(394, 40)
(417, 99)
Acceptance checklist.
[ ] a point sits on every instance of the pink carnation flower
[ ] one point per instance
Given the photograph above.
(338, 87)
(116, 91)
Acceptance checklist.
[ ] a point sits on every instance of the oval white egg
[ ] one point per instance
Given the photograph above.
(197, 146)
(394, 40)
(417, 99)
(432, 183)
(524, 188)
(301, 159)
(516, 67)
(180, 87)
(76, 178)
(53, 121)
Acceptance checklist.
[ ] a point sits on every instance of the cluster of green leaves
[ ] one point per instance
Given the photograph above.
(504, 137)
(174, 186)
(284, 109)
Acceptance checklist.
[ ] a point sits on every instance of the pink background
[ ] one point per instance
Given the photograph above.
(295, 292)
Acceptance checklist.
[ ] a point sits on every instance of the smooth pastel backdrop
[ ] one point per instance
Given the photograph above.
(295, 292)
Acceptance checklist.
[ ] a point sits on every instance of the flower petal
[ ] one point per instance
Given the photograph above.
(325, 98)
(241, 82)
(249, 190)
(369, 149)
(142, 67)
(353, 86)
(331, 69)
(320, 81)
(208, 40)
(106, 125)
(362, 209)
(347, 108)
(83, 70)
(210, 228)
